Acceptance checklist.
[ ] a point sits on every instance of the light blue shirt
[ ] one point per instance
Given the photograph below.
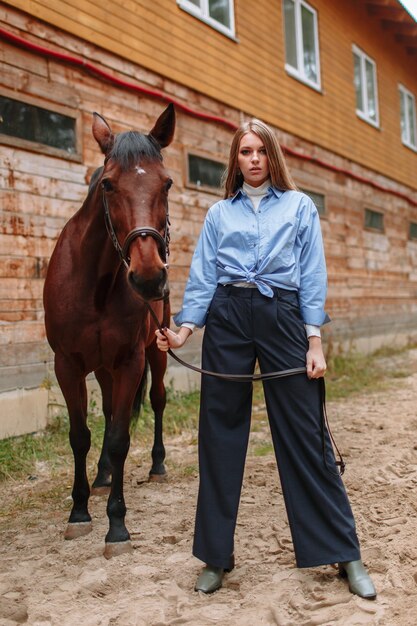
(278, 246)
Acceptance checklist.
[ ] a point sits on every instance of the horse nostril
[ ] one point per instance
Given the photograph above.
(153, 288)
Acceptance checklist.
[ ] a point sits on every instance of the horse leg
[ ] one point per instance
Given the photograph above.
(102, 481)
(158, 363)
(72, 383)
(125, 383)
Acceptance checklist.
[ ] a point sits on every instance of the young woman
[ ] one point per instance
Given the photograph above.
(258, 284)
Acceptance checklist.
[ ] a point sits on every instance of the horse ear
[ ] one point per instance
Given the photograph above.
(102, 133)
(163, 131)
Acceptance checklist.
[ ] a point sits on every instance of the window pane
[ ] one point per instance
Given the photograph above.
(219, 11)
(358, 82)
(413, 230)
(318, 199)
(309, 48)
(196, 2)
(411, 120)
(290, 38)
(374, 219)
(205, 172)
(26, 121)
(370, 89)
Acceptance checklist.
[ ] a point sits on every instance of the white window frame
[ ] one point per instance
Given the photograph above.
(299, 72)
(202, 13)
(406, 93)
(364, 115)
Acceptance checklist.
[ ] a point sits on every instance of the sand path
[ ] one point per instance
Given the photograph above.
(45, 580)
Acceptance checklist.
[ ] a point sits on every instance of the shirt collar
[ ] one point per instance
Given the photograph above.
(277, 192)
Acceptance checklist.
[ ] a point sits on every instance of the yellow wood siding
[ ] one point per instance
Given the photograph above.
(249, 73)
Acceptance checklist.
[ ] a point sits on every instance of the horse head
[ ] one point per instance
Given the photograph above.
(135, 189)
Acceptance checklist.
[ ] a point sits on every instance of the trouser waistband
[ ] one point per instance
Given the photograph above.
(250, 292)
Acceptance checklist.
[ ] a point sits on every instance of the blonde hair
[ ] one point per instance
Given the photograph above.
(278, 169)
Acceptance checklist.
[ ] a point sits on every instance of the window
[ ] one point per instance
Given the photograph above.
(374, 220)
(318, 199)
(216, 13)
(204, 172)
(413, 230)
(23, 122)
(365, 87)
(408, 118)
(301, 42)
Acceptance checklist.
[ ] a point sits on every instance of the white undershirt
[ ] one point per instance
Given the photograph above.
(255, 195)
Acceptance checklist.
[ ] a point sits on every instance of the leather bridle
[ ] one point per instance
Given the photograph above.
(141, 231)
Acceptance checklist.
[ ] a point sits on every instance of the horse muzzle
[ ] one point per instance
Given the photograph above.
(150, 288)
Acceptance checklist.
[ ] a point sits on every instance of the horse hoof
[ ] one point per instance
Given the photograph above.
(100, 491)
(157, 478)
(77, 529)
(117, 548)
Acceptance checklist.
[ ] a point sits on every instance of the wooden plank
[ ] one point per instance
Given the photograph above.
(28, 353)
(34, 204)
(24, 60)
(33, 246)
(51, 187)
(30, 226)
(37, 165)
(25, 332)
(22, 267)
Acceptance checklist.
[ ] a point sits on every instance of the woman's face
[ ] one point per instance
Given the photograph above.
(252, 160)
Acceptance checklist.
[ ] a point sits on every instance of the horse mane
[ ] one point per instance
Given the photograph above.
(94, 179)
(129, 147)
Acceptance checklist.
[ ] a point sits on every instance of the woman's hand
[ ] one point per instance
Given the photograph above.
(316, 363)
(168, 339)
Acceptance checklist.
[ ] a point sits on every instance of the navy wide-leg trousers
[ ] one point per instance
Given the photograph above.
(244, 326)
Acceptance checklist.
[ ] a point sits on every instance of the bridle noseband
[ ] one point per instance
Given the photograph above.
(141, 231)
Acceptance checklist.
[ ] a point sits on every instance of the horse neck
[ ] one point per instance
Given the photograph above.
(95, 240)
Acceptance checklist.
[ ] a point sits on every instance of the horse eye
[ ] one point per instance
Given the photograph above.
(106, 185)
(168, 184)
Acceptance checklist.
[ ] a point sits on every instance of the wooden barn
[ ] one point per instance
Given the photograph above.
(337, 80)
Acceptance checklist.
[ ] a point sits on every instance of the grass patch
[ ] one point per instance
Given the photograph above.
(20, 456)
(354, 373)
(181, 413)
(263, 450)
(351, 374)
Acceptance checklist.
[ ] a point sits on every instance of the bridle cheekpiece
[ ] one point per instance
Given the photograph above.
(141, 231)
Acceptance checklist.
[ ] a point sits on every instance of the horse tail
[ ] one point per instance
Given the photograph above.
(140, 395)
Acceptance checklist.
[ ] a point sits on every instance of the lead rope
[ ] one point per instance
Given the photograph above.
(244, 378)
(325, 424)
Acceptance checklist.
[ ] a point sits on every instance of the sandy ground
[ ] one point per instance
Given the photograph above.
(45, 580)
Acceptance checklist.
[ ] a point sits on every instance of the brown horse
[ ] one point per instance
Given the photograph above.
(108, 267)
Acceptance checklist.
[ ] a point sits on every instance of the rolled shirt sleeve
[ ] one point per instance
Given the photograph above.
(313, 274)
(202, 280)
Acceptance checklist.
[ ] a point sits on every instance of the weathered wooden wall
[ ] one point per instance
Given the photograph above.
(249, 74)
(372, 276)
